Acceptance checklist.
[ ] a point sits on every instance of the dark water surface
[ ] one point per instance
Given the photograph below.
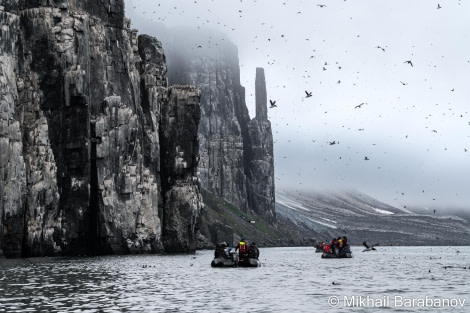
(391, 279)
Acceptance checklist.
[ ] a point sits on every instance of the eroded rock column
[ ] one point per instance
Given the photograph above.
(259, 154)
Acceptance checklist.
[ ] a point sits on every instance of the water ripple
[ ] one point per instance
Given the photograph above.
(290, 280)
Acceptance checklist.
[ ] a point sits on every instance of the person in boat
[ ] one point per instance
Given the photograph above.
(221, 250)
(337, 246)
(253, 251)
(242, 248)
(319, 246)
(334, 245)
(345, 246)
(228, 251)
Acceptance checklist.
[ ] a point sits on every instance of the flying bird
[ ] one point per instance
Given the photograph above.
(404, 84)
(308, 94)
(273, 103)
(369, 248)
(359, 105)
(409, 62)
(379, 47)
(366, 159)
(439, 6)
(321, 5)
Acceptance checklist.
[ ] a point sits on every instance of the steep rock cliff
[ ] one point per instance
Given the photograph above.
(236, 153)
(12, 163)
(80, 126)
(259, 156)
(180, 185)
(223, 116)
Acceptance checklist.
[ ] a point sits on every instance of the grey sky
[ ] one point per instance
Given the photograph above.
(414, 125)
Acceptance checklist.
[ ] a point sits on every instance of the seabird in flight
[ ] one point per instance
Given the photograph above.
(409, 62)
(369, 248)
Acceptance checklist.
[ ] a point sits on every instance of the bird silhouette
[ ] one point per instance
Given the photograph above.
(273, 103)
(439, 6)
(404, 84)
(379, 47)
(409, 62)
(359, 105)
(369, 248)
(308, 94)
(366, 159)
(321, 5)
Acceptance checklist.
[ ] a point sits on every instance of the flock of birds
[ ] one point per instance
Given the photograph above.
(270, 35)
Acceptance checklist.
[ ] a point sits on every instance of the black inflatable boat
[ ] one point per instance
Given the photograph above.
(344, 253)
(230, 258)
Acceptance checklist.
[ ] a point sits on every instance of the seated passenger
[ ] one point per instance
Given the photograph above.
(253, 251)
(242, 249)
(228, 251)
(345, 249)
(220, 250)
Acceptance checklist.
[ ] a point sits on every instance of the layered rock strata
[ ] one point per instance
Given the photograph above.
(82, 104)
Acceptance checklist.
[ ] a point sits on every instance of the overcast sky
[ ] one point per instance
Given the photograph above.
(401, 129)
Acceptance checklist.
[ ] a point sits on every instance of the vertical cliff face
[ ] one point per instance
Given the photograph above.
(259, 155)
(224, 115)
(12, 163)
(180, 185)
(80, 123)
(236, 153)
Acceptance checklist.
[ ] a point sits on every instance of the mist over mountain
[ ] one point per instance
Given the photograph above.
(390, 96)
(327, 214)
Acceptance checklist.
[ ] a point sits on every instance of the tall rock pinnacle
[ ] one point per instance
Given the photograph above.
(261, 96)
(259, 159)
(236, 152)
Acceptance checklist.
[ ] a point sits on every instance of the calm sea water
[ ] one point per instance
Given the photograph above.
(391, 279)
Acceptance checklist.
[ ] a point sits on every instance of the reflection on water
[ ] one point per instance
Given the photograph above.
(289, 280)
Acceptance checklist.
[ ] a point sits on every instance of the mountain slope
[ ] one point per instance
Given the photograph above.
(361, 218)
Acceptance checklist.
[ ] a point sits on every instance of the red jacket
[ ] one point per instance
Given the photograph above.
(242, 246)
